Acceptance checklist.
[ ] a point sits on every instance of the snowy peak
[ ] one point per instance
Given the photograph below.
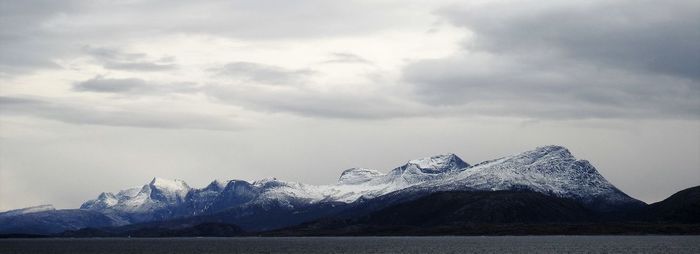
(549, 153)
(550, 160)
(234, 184)
(216, 185)
(158, 192)
(168, 191)
(169, 185)
(527, 160)
(128, 193)
(104, 200)
(553, 149)
(358, 175)
(235, 192)
(438, 164)
(107, 196)
(550, 169)
(268, 183)
(425, 169)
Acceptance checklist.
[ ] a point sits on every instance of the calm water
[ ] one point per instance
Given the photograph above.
(476, 244)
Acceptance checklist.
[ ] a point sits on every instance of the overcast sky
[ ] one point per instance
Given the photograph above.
(103, 95)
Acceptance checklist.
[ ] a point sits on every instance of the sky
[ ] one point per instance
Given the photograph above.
(104, 95)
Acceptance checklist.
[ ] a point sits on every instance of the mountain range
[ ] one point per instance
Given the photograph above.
(543, 186)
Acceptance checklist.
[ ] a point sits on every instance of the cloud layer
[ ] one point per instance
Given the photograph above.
(621, 59)
(75, 113)
(215, 89)
(528, 59)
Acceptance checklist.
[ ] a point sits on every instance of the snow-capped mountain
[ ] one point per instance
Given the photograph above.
(162, 198)
(157, 200)
(550, 170)
(158, 190)
(272, 203)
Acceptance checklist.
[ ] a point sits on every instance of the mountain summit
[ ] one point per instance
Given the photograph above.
(550, 170)
(439, 164)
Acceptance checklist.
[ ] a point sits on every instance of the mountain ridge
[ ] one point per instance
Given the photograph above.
(549, 170)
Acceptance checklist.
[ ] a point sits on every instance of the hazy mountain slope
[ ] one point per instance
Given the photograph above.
(683, 206)
(200, 230)
(53, 221)
(457, 209)
(505, 213)
(450, 208)
(27, 210)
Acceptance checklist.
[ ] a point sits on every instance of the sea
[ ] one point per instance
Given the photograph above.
(310, 245)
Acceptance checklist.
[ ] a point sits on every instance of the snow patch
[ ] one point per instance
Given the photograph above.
(358, 175)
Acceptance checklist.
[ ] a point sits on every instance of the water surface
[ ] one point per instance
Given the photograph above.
(469, 244)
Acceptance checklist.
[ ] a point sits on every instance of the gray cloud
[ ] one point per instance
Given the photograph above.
(568, 60)
(99, 115)
(102, 85)
(118, 60)
(132, 86)
(293, 92)
(495, 85)
(639, 35)
(313, 103)
(265, 20)
(261, 73)
(34, 33)
(339, 57)
(26, 44)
